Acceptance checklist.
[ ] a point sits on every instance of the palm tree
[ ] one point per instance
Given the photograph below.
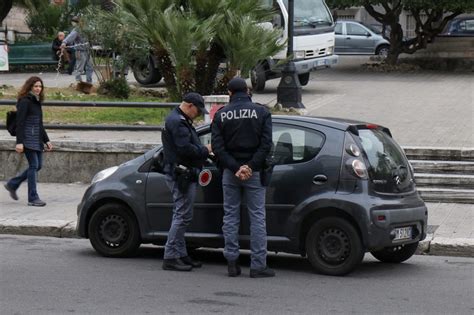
(191, 37)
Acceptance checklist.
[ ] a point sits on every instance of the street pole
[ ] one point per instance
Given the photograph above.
(289, 89)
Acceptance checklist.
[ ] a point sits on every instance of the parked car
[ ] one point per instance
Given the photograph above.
(339, 188)
(356, 38)
(459, 26)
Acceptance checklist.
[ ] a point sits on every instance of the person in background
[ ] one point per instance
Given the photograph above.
(81, 45)
(68, 54)
(30, 139)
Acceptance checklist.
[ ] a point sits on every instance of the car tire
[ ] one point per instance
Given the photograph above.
(333, 246)
(258, 78)
(395, 254)
(382, 51)
(113, 231)
(304, 78)
(145, 72)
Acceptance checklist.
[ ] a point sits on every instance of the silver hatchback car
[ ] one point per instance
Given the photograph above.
(356, 38)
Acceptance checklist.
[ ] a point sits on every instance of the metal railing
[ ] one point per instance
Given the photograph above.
(97, 104)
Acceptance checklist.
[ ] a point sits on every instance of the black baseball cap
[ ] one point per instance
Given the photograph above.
(197, 100)
(237, 85)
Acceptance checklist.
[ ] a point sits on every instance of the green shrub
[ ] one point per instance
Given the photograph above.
(117, 87)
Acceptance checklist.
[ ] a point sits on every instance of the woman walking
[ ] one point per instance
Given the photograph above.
(30, 138)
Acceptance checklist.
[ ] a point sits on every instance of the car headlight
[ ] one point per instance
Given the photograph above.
(298, 54)
(330, 50)
(104, 174)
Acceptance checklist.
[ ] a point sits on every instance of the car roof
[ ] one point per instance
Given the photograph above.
(333, 122)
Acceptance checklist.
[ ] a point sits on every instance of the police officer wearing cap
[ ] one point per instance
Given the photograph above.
(242, 140)
(184, 156)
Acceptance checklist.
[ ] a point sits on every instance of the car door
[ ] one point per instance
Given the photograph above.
(358, 39)
(208, 209)
(339, 47)
(297, 164)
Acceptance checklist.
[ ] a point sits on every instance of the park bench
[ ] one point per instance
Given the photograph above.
(31, 54)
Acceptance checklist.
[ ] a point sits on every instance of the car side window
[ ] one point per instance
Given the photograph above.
(294, 144)
(354, 29)
(466, 26)
(338, 29)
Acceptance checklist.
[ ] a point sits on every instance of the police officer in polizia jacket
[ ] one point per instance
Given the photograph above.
(184, 156)
(242, 140)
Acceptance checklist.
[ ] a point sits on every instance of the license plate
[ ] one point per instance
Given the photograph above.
(403, 233)
(320, 63)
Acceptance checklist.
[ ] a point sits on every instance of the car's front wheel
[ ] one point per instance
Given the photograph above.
(304, 78)
(396, 254)
(382, 51)
(113, 231)
(333, 246)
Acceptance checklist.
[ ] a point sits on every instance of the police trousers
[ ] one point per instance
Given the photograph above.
(182, 215)
(254, 194)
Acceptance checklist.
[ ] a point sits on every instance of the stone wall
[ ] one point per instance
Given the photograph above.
(16, 20)
(71, 162)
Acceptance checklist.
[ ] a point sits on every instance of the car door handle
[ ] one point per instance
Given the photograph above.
(348, 38)
(319, 179)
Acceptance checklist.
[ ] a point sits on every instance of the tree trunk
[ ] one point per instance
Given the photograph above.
(396, 44)
(167, 70)
(221, 87)
(201, 72)
(185, 80)
(5, 7)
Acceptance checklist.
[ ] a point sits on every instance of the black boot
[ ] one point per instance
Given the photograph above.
(233, 268)
(176, 264)
(262, 273)
(191, 262)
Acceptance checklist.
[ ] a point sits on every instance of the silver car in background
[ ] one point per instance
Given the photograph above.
(356, 38)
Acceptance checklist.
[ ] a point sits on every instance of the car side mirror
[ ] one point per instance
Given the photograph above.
(368, 34)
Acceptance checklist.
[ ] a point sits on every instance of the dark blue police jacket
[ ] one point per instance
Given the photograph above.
(242, 133)
(181, 144)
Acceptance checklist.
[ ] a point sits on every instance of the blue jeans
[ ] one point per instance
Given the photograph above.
(182, 215)
(35, 161)
(254, 193)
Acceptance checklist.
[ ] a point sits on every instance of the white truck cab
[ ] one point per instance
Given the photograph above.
(313, 41)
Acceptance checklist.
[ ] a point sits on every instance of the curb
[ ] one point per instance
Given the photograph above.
(51, 228)
(434, 246)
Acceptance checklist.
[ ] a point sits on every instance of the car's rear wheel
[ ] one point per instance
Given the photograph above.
(396, 254)
(258, 78)
(113, 231)
(304, 78)
(333, 246)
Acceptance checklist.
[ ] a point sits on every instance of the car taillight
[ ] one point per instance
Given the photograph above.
(353, 150)
(359, 168)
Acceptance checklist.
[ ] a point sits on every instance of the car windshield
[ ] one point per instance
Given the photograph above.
(313, 13)
(388, 167)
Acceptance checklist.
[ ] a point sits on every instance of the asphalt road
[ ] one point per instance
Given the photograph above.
(65, 276)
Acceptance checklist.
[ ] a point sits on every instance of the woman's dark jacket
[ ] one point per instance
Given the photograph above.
(29, 124)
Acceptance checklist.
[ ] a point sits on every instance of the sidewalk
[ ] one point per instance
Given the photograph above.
(451, 226)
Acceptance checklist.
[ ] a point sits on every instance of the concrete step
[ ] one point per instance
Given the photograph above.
(444, 180)
(443, 167)
(444, 154)
(446, 195)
